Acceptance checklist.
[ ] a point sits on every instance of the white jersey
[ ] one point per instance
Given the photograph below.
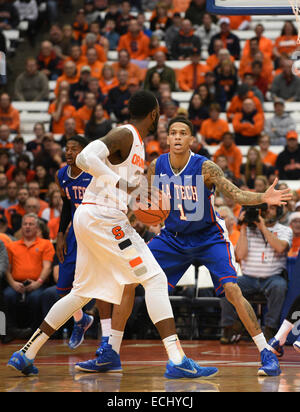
(103, 193)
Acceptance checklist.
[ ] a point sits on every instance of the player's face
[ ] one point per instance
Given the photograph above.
(180, 138)
(72, 150)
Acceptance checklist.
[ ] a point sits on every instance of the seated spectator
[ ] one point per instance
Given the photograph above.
(196, 11)
(206, 97)
(60, 110)
(3, 186)
(253, 55)
(43, 179)
(286, 43)
(92, 61)
(230, 40)
(34, 191)
(15, 212)
(261, 184)
(80, 26)
(260, 81)
(31, 85)
(35, 145)
(152, 151)
(135, 42)
(221, 161)
(162, 138)
(253, 167)
(56, 37)
(55, 206)
(100, 39)
(294, 222)
(18, 150)
(124, 63)
(5, 137)
(249, 80)
(93, 87)
(70, 75)
(166, 73)
(173, 30)
(98, 125)
(76, 56)
(160, 20)
(78, 90)
(219, 53)
(67, 41)
(197, 112)
(110, 33)
(198, 148)
(236, 104)
(9, 16)
(267, 157)
(69, 131)
(169, 111)
(286, 85)
(90, 12)
(8, 114)
(30, 260)
(226, 213)
(112, 12)
(11, 195)
(277, 126)
(248, 124)
(185, 43)
(165, 94)
(227, 80)
(45, 156)
(153, 83)
(232, 153)
(48, 62)
(155, 46)
(141, 19)
(288, 161)
(206, 30)
(265, 44)
(213, 129)
(90, 43)
(108, 79)
(83, 115)
(117, 101)
(191, 76)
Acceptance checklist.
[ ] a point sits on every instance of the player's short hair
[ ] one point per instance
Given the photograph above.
(181, 119)
(82, 141)
(141, 104)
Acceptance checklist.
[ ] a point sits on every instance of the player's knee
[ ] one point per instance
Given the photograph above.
(232, 292)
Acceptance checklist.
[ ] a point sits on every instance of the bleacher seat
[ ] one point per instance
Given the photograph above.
(31, 106)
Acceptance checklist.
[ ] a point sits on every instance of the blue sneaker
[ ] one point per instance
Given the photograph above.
(79, 330)
(270, 365)
(104, 341)
(276, 348)
(19, 362)
(107, 361)
(188, 369)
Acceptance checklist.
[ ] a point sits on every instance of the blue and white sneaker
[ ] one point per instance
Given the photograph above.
(188, 368)
(79, 330)
(270, 365)
(104, 341)
(21, 363)
(276, 348)
(296, 344)
(107, 361)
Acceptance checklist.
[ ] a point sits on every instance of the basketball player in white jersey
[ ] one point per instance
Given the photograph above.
(110, 252)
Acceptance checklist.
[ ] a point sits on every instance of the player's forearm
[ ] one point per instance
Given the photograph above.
(242, 197)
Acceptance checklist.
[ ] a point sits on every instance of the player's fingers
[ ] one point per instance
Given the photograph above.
(275, 182)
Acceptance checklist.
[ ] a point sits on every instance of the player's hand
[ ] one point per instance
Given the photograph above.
(276, 197)
(61, 247)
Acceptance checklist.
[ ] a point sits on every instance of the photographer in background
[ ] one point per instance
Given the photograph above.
(262, 251)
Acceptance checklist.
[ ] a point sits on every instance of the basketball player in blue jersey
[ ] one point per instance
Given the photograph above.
(194, 232)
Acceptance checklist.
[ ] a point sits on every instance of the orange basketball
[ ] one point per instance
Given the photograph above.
(155, 211)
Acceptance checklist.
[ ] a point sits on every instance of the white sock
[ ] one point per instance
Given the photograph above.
(173, 348)
(105, 326)
(283, 332)
(37, 340)
(115, 339)
(78, 315)
(260, 342)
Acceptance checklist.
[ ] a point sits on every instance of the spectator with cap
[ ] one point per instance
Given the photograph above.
(135, 41)
(286, 85)
(165, 72)
(230, 40)
(192, 75)
(185, 44)
(294, 223)
(288, 161)
(78, 89)
(8, 114)
(233, 154)
(236, 104)
(248, 124)
(31, 85)
(213, 129)
(48, 61)
(124, 63)
(279, 124)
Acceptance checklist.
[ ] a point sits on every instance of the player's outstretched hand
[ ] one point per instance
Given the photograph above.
(277, 197)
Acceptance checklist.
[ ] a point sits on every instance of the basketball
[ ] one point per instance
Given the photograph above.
(154, 210)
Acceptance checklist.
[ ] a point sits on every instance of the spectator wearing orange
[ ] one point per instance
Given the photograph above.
(227, 214)
(213, 128)
(236, 104)
(192, 75)
(80, 26)
(155, 46)
(60, 110)
(160, 20)
(255, 54)
(83, 115)
(48, 61)
(108, 79)
(294, 223)
(135, 41)
(8, 114)
(100, 39)
(230, 40)
(23, 163)
(162, 138)
(232, 153)
(260, 81)
(239, 22)
(267, 156)
(124, 63)
(55, 206)
(70, 75)
(265, 45)
(30, 260)
(152, 151)
(90, 43)
(76, 56)
(53, 226)
(92, 61)
(14, 212)
(221, 54)
(286, 43)
(4, 233)
(248, 124)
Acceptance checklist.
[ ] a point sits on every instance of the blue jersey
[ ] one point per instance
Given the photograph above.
(190, 200)
(74, 188)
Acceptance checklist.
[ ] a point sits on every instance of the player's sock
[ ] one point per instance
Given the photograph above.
(78, 315)
(283, 332)
(105, 326)
(173, 348)
(37, 340)
(115, 339)
(260, 342)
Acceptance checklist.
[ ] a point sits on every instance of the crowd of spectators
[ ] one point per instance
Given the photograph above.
(228, 89)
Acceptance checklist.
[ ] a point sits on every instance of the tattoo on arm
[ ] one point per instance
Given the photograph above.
(213, 175)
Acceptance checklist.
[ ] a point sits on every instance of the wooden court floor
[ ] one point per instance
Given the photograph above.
(143, 368)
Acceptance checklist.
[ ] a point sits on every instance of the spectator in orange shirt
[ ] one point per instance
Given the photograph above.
(15, 212)
(160, 20)
(267, 157)
(236, 104)
(239, 22)
(155, 46)
(135, 41)
(232, 153)
(152, 151)
(260, 81)
(108, 79)
(48, 61)
(60, 110)
(213, 128)
(192, 75)
(286, 43)
(92, 61)
(70, 75)
(227, 214)
(100, 39)
(255, 54)
(134, 72)
(8, 114)
(248, 124)
(83, 114)
(265, 45)
(76, 56)
(80, 26)
(30, 260)
(90, 43)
